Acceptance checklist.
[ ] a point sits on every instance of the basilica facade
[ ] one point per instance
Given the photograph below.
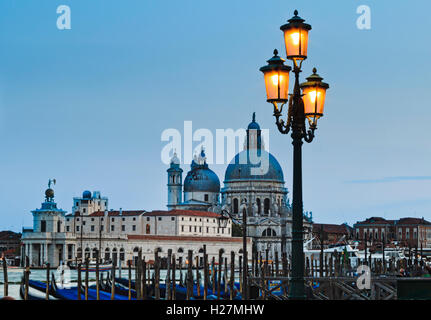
(254, 185)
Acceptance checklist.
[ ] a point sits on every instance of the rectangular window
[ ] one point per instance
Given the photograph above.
(101, 228)
(43, 226)
(123, 228)
(200, 229)
(172, 218)
(77, 228)
(182, 228)
(67, 229)
(208, 230)
(83, 222)
(92, 228)
(83, 210)
(190, 228)
(113, 219)
(182, 219)
(206, 197)
(123, 219)
(112, 228)
(148, 218)
(195, 228)
(92, 219)
(77, 219)
(160, 218)
(134, 228)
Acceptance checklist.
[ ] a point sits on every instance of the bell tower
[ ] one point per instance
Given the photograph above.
(175, 183)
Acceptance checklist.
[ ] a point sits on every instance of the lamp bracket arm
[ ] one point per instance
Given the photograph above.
(282, 127)
(309, 135)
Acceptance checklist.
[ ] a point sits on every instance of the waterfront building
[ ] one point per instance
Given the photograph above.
(404, 232)
(253, 185)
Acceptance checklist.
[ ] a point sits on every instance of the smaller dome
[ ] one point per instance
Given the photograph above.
(49, 193)
(86, 194)
(175, 159)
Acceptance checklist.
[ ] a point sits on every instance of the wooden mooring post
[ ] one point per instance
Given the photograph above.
(129, 267)
(157, 274)
(240, 273)
(138, 275)
(168, 276)
(47, 281)
(189, 275)
(97, 277)
(205, 272)
(174, 280)
(220, 265)
(213, 272)
(26, 276)
(86, 278)
(113, 280)
(144, 279)
(79, 281)
(232, 274)
(198, 286)
(5, 280)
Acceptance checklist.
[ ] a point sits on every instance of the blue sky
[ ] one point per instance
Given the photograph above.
(87, 106)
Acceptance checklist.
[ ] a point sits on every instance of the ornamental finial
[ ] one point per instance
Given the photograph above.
(295, 12)
(314, 70)
(275, 52)
(254, 117)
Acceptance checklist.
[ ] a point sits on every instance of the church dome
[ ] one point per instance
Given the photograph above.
(244, 167)
(254, 163)
(86, 194)
(201, 178)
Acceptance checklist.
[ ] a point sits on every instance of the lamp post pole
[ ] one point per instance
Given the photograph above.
(310, 107)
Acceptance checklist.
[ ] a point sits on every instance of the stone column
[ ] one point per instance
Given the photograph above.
(45, 252)
(30, 253)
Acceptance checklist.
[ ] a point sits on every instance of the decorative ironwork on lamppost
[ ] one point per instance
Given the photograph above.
(222, 222)
(307, 104)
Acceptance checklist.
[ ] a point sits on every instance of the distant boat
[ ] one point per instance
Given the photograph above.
(92, 267)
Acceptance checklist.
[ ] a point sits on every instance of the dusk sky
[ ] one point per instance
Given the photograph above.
(87, 106)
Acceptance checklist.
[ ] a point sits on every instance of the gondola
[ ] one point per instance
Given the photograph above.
(29, 295)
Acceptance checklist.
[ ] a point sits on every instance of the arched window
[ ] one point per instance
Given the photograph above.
(94, 255)
(147, 229)
(180, 250)
(259, 205)
(201, 250)
(266, 205)
(235, 205)
(79, 253)
(114, 255)
(268, 232)
(122, 254)
(58, 226)
(87, 253)
(107, 254)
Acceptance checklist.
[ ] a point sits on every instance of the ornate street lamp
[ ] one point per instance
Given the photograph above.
(306, 104)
